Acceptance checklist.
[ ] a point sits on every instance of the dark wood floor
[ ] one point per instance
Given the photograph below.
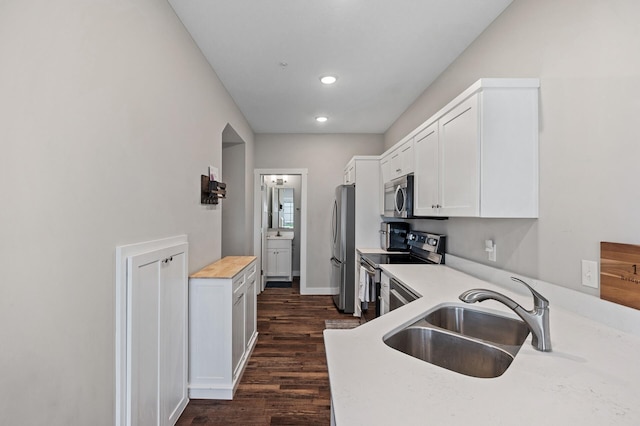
(286, 380)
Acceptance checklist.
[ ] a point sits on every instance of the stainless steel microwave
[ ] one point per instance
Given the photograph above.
(398, 197)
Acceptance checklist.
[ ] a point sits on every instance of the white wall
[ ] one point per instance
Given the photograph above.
(586, 54)
(110, 114)
(325, 157)
(234, 210)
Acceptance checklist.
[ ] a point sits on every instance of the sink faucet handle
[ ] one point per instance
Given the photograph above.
(539, 301)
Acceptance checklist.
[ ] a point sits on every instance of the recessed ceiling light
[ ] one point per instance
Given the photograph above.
(328, 79)
(321, 119)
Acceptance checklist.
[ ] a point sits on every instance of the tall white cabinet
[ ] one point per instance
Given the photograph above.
(151, 332)
(222, 326)
(364, 172)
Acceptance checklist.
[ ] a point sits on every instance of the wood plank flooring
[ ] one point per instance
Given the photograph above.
(286, 380)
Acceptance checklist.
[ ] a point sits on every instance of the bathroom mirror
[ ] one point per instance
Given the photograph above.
(282, 208)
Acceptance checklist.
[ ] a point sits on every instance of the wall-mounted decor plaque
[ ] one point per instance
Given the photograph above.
(620, 273)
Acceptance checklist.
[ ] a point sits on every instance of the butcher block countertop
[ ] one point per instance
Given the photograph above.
(227, 267)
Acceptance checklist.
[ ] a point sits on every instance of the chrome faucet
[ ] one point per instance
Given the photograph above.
(537, 319)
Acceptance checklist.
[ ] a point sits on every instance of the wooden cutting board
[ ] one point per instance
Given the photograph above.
(620, 273)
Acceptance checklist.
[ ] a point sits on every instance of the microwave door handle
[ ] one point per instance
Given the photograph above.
(395, 200)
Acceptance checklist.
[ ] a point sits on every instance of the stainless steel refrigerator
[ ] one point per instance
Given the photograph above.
(343, 236)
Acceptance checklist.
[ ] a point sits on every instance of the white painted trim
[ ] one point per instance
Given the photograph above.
(122, 253)
(257, 217)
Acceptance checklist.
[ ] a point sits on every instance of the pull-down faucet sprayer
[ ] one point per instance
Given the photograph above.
(537, 319)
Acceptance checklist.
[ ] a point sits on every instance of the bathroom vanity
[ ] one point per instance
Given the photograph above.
(279, 256)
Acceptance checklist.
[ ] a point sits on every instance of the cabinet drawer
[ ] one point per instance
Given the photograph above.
(250, 272)
(238, 281)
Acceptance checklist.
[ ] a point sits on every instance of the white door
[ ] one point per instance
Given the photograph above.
(265, 225)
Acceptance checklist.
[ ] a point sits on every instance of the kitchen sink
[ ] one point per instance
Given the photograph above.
(455, 353)
(467, 341)
(480, 325)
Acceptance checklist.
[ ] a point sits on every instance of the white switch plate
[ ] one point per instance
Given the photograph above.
(590, 274)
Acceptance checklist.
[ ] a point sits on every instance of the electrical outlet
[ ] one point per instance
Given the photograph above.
(590, 273)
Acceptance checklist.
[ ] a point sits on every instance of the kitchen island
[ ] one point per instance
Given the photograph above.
(590, 378)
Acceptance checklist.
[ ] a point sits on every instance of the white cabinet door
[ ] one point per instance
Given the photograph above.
(173, 337)
(385, 169)
(427, 187)
(350, 173)
(238, 315)
(251, 311)
(283, 262)
(143, 379)
(156, 339)
(272, 261)
(407, 158)
(459, 136)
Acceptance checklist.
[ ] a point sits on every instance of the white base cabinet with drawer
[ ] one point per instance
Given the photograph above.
(279, 255)
(222, 326)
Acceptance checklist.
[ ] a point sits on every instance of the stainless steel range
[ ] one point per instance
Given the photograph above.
(424, 248)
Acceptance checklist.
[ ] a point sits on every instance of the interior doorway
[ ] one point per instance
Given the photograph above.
(236, 223)
(280, 206)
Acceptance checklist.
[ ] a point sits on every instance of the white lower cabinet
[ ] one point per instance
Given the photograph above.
(222, 326)
(279, 258)
(156, 361)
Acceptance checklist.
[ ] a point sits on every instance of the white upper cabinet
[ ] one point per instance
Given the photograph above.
(478, 157)
(427, 198)
(397, 163)
(350, 173)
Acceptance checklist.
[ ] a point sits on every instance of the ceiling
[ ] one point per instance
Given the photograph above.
(270, 55)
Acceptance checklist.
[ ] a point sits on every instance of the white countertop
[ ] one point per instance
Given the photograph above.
(592, 376)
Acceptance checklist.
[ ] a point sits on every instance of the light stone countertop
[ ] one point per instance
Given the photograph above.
(592, 376)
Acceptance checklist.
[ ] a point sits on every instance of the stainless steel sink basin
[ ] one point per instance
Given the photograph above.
(455, 353)
(480, 325)
(467, 341)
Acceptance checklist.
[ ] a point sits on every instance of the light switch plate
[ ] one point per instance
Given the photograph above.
(590, 274)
